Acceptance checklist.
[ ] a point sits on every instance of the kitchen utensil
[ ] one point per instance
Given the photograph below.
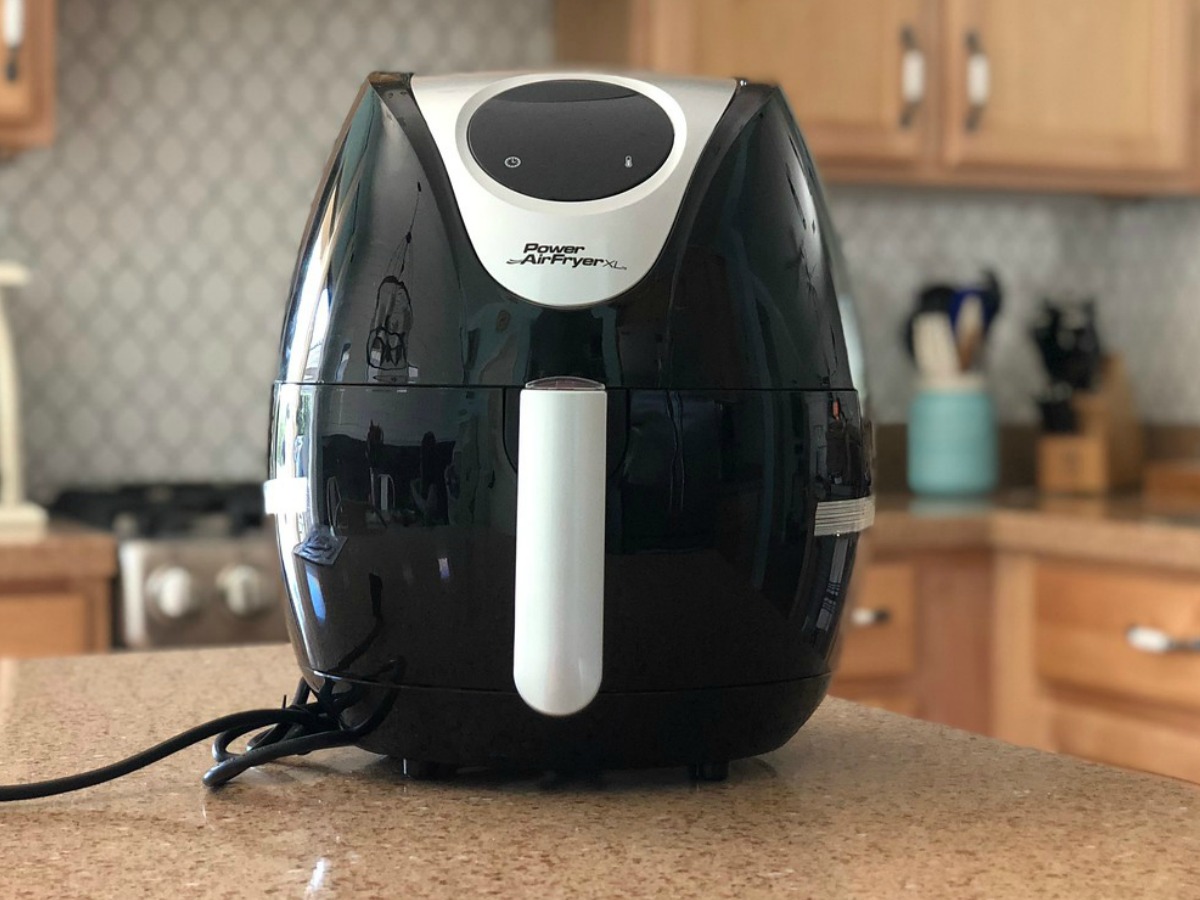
(936, 298)
(1067, 337)
(969, 331)
(934, 346)
(1058, 415)
(952, 441)
(947, 299)
(992, 296)
(1104, 450)
(630, 491)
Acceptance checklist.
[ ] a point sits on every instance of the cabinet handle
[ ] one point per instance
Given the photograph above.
(912, 76)
(865, 617)
(979, 80)
(1153, 640)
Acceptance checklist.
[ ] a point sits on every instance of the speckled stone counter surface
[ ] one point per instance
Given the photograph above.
(860, 804)
(1118, 530)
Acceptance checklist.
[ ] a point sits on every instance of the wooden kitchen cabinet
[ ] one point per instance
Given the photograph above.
(1079, 85)
(39, 622)
(842, 65)
(1032, 649)
(1066, 625)
(27, 101)
(1040, 94)
(1069, 678)
(879, 642)
(917, 638)
(882, 641)
(854, 73)
(56, 593)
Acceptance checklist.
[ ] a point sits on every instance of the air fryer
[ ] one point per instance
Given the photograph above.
(567, 461)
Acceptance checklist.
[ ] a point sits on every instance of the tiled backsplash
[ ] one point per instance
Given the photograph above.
(163, 222)
(1151, 308)
(1140, 259)
(898, 240)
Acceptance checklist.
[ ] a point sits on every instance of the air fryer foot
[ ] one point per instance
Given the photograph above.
(712, 771)
(425, 770)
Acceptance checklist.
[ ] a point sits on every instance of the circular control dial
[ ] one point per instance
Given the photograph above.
(172, 593)
(245, 590)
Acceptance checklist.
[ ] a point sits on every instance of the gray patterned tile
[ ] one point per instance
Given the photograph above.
(898, 240)
(163, 222)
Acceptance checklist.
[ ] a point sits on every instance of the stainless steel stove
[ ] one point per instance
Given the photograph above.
(197, 563)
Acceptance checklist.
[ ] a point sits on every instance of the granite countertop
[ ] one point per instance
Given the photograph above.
(1122, 529)
(861, 803)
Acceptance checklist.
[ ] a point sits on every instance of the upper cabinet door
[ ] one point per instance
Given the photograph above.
(857, 74)
(1094, 85)
(26, 74)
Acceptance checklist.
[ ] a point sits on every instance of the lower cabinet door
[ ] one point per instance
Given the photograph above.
(879, 631)
(1123, 740)
(1088, 619)
(45, 624)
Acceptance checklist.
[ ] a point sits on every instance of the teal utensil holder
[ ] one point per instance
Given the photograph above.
(952, 441)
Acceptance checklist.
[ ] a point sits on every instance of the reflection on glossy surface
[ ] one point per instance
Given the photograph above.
(712, 576)
(709, 508)
(316, 881)
(731, 415)
(388, 290)
(846, 809)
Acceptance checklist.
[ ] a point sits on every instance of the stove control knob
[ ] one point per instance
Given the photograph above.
(245, 590)
(171, 591)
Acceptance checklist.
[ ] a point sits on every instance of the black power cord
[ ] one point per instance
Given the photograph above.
(300, 727)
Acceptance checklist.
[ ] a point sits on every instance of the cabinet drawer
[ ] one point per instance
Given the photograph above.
(1083, 617)
(44, 624)
(1128, 741)
(879, 631)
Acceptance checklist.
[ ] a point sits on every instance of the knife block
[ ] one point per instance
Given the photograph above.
(1106, 453)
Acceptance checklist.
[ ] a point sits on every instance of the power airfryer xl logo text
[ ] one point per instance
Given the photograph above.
(536, 254)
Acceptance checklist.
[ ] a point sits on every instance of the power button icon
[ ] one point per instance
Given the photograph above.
(512, 161)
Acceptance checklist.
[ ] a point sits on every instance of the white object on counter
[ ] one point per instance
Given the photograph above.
(18, 518)
(934, 346)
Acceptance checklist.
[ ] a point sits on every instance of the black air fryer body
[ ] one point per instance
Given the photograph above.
(737, 475)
